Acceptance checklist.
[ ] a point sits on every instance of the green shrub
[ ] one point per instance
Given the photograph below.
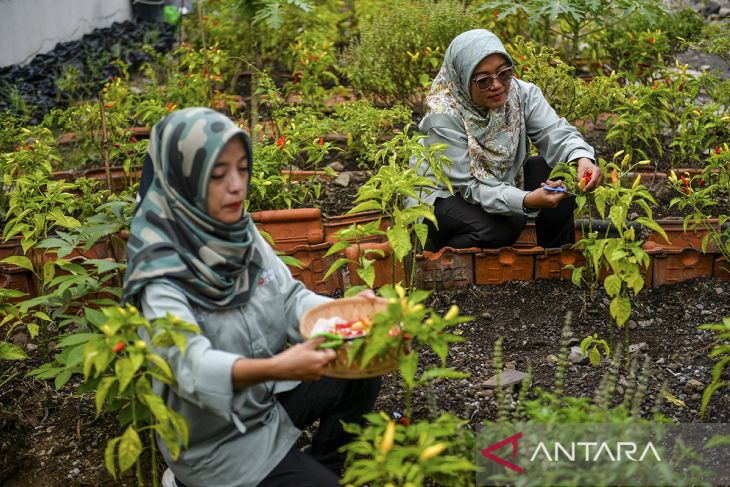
(401, 47)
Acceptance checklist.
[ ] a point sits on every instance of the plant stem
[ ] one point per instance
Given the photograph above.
(105, 143)
(153, 452)
(205, 53)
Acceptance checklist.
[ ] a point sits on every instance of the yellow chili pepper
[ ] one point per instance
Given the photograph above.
(636, 181)
(432, 451)
(387, 443)
(672, 176)
(452, 313)
(140, 344)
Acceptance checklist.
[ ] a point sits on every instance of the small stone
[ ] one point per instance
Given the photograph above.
(637, 347)
(705, 312)
(573, 342)
(31, 347)
(696, 397)
(487, 315)
(552, 359)
(660, 361)
(508, 378)
(577, 357)
(693, 385)
(343, 179)
(718, 290)
(336, 166)
(632, 325)
(510, 365)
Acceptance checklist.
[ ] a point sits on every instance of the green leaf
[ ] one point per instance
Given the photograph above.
(620, 310)
(367, 274)
(336, 265)
(33, 330)
(109, 454)
(10, 351)
(400, 241)
(594, 357)
(18, 260)
(130, 448)
(612, 284)
(124, 370)
(408, 367)
(95, 317)
(75, 339)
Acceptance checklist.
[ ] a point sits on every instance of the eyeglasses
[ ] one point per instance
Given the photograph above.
(484, 81)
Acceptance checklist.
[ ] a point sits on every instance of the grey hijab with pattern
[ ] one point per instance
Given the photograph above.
(492, 134)
(172, 237)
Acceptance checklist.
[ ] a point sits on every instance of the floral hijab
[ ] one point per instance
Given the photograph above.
(172, 236)
(493, 135)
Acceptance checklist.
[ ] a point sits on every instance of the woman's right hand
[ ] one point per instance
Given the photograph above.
(303, 361)
(540, 198)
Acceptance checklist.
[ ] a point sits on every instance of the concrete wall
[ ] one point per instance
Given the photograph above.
(30, 27)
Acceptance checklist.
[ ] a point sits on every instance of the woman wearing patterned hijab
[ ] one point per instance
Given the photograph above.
(194, 253)
(486, 117)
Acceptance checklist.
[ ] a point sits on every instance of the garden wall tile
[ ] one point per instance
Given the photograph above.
(495, 266)
(550, 264)
(13, 277)
(448, 268)
(291, 228)
(721, 268)
(314, 266)
(675, 265)
(678, 238)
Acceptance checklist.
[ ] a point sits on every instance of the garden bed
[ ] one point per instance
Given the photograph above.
(51, 438)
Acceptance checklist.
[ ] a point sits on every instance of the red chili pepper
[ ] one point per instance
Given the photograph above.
(281, 143)
(404, 421)
(718, 151)
(681, 86)
(321, 141)
(655, 85)
(204, 72)
(651, 40)
(119, 347)
(701, 182)
(667, 82)
(116, 145)
(133, 139)
(684, 180)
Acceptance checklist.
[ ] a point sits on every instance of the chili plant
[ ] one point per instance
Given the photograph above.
(698, 195)
(410, 452)
(399, 191)
(622, 257)
(345, 238)
(722, 350)
(118, 361)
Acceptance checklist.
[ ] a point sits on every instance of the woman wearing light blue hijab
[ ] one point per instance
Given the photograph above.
(486, 117)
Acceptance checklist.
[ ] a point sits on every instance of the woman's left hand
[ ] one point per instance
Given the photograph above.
(585, 164)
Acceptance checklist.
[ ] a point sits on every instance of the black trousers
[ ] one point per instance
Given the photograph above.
(329, 401)
(463, 224)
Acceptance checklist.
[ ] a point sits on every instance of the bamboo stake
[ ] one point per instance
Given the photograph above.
(205, 53)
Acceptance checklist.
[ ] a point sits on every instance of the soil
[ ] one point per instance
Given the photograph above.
(52, 438)
(530, 317)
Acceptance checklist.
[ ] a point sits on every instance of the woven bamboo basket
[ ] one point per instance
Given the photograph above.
(350, 309)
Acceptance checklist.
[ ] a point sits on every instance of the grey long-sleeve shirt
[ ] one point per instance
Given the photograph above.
(556, 140)
(236, 436)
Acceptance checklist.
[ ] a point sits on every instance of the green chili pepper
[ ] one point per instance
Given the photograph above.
(334, 340)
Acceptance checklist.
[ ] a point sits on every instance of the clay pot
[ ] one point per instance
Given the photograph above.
(291, 228)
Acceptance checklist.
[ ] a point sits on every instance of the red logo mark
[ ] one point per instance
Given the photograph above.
(487, 452)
